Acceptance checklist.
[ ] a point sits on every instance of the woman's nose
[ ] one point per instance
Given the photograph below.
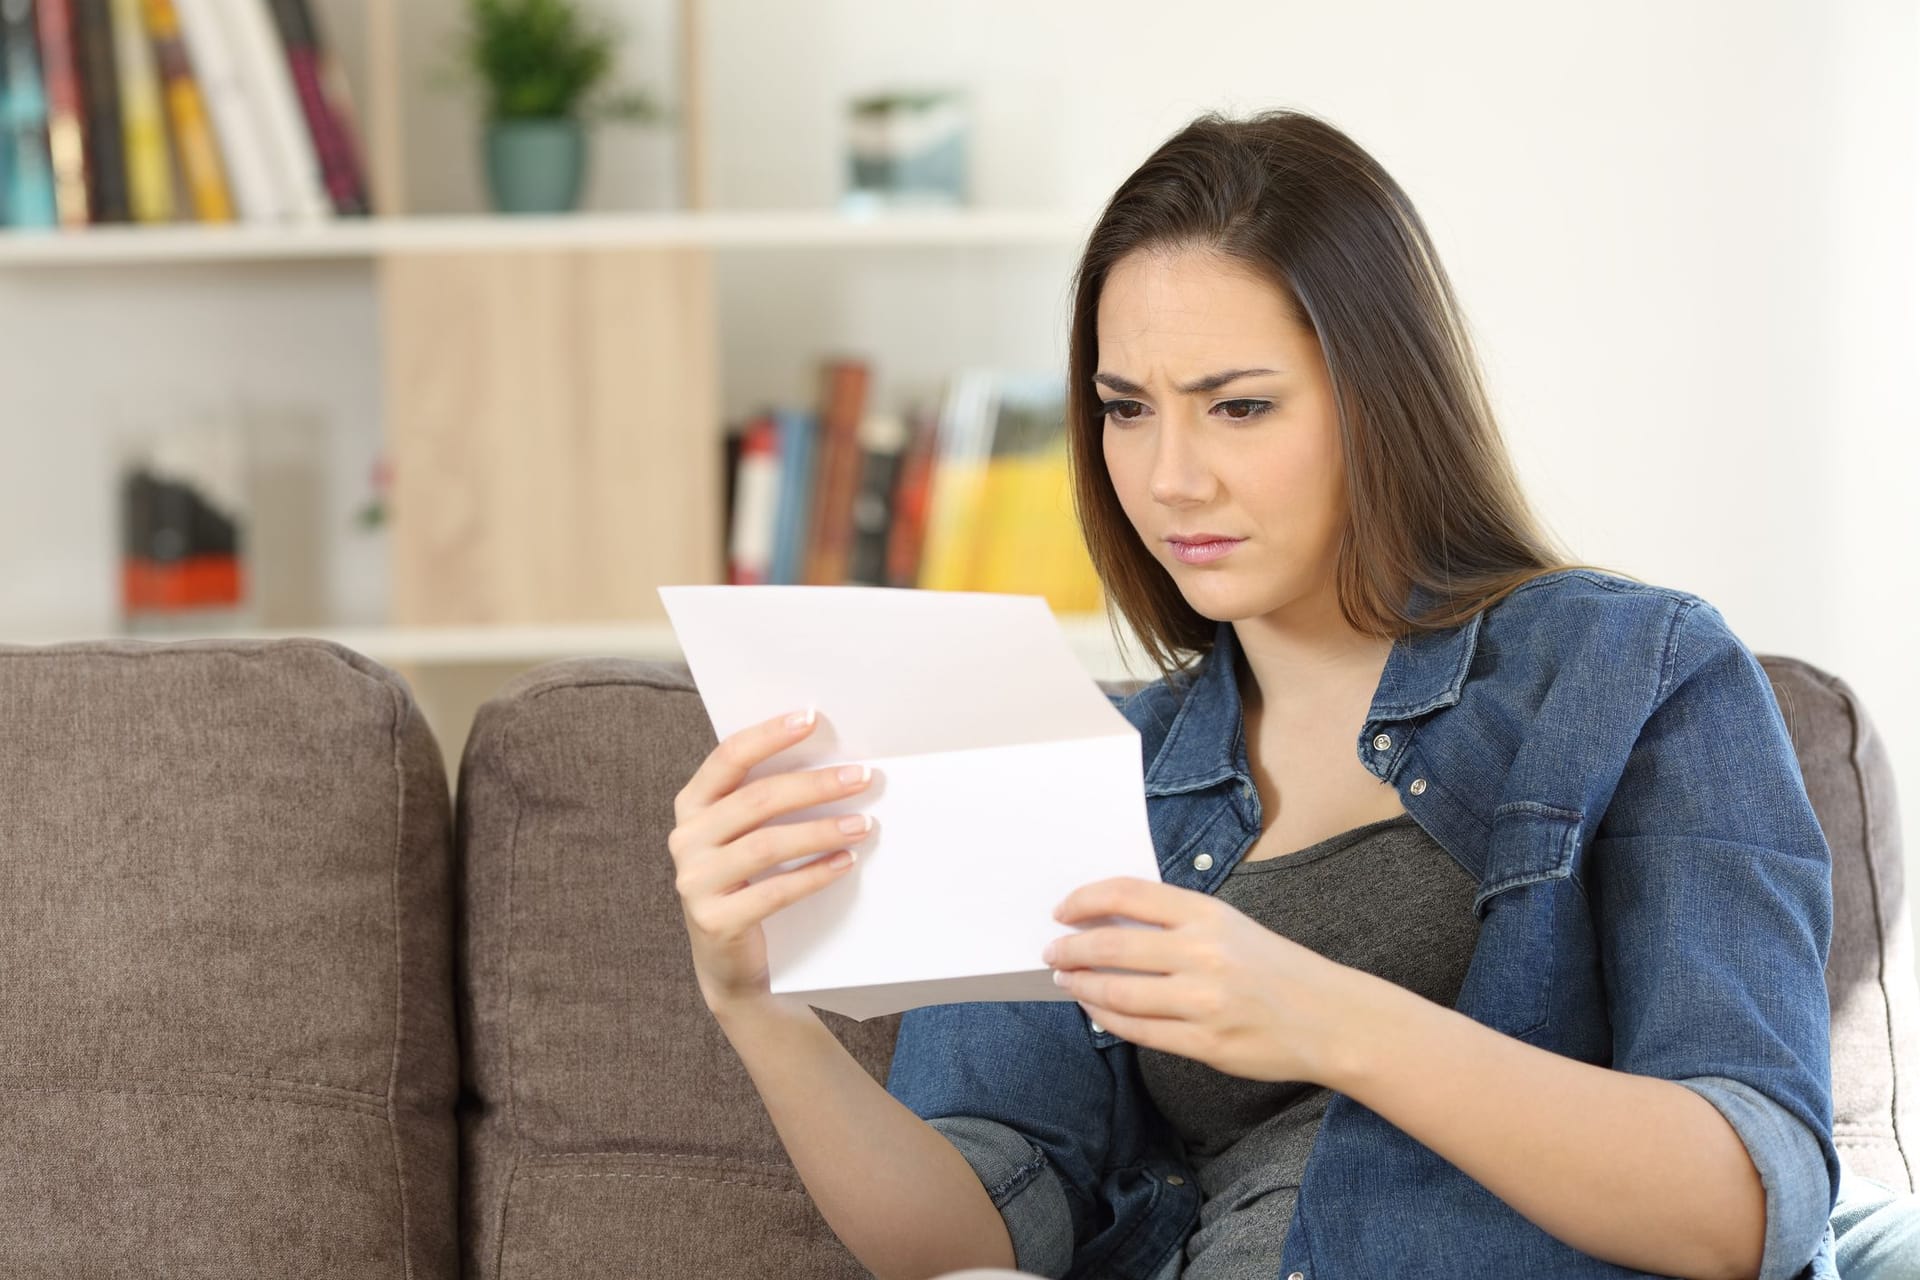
(1180, 474)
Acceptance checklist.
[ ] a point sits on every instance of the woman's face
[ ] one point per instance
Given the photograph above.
(1255, 459)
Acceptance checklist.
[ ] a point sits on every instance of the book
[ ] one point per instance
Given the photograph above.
(1000, 515)
(1029, 539)
(193, 139)
(907, 523)
(267, 83)
(108, 198)
(306, 61)
(66, 111)
(883, 441)
(843, 394)
(236, 126)
(142, 118)
(958, 487)
(797, 430)
(28, 182)
(755, 502)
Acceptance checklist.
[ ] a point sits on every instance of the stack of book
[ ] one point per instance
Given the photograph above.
(973, 496)
(155, 111)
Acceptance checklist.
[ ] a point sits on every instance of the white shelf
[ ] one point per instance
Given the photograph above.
(367, 238)
(1089, 636)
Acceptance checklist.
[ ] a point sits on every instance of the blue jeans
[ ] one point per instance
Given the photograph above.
(1876, 1230)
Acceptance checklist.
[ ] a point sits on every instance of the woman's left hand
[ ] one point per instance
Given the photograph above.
(1211, 984)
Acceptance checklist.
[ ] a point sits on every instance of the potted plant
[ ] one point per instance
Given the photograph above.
(542, 65)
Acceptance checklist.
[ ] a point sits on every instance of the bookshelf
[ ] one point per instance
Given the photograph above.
(537, 377)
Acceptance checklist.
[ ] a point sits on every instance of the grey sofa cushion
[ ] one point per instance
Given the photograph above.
(608, 1119)
(1870, 982)
(225, 969)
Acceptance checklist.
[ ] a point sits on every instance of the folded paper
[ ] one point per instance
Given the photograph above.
(1003, 780)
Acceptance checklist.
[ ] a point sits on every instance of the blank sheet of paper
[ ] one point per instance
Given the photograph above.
(1004, 779)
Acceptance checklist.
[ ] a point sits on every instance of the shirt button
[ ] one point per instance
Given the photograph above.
(1175, 1180)
(1298, 1275)
(1097, 1028)
(1203, 862)
(1419, 787)
(1382, 742)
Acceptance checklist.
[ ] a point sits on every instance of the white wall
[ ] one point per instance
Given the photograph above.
(1685, 236)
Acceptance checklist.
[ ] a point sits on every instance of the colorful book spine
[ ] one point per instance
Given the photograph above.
(306, 61)
(149, 163)
(66, 111)
(243, 147)
(268, 84)
(756, 502)
(100, 89)
(30, 200)
(797, 428)
(959, 484)
(883, 441)
(187, 111)
(843, 395)
(907, 529)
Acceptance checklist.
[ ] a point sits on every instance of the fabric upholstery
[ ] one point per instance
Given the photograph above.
(606, 1118)
(1870, 985)
(225, 970)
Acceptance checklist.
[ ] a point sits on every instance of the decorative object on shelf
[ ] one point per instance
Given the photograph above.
(542, 65)
(182, 524)
(906, 150)
(372, 514)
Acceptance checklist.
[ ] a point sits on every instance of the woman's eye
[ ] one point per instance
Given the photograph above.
(1249, 408)
(1232, 410)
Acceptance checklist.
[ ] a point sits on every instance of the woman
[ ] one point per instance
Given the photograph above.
(1494, 916)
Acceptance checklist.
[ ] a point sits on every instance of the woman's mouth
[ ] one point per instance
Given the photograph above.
(1203, 551)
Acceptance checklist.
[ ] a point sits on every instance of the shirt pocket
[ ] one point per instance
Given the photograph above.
(1524, 896)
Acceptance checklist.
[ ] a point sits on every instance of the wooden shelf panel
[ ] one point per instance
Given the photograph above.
(367, 238)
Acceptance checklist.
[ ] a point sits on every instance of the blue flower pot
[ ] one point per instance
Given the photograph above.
(536, 166)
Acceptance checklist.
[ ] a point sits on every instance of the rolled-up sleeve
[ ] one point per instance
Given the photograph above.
(1792, 1168)
(1713, 908)
(1022, 1186)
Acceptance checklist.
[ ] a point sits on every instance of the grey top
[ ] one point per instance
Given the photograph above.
(1384, 898)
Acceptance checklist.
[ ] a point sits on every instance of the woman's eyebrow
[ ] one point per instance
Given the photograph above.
(1212, 382)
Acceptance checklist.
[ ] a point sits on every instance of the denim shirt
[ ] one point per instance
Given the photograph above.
(1607, 760)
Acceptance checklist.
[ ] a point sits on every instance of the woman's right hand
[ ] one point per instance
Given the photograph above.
(719, 841)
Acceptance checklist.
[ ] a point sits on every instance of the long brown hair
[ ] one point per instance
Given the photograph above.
(1300, 203)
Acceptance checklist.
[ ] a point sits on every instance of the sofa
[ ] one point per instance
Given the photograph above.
(280, 1001)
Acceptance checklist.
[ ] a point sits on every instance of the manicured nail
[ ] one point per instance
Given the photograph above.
(800, 719)
(1048, 954)
(855, 823)
(1060, 977)
(852, 773)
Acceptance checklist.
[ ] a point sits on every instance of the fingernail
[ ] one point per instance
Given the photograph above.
(855, 823)
(1059, 977)
(1048, 954)
(852, 773)
(800, 719)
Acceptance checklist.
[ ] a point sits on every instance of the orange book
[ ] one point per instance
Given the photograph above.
(187, 113)
(843, 398)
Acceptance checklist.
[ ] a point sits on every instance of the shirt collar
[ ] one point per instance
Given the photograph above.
(1206, 743)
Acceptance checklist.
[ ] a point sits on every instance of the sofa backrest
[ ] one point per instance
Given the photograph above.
(607, 1118)
(225, 966)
